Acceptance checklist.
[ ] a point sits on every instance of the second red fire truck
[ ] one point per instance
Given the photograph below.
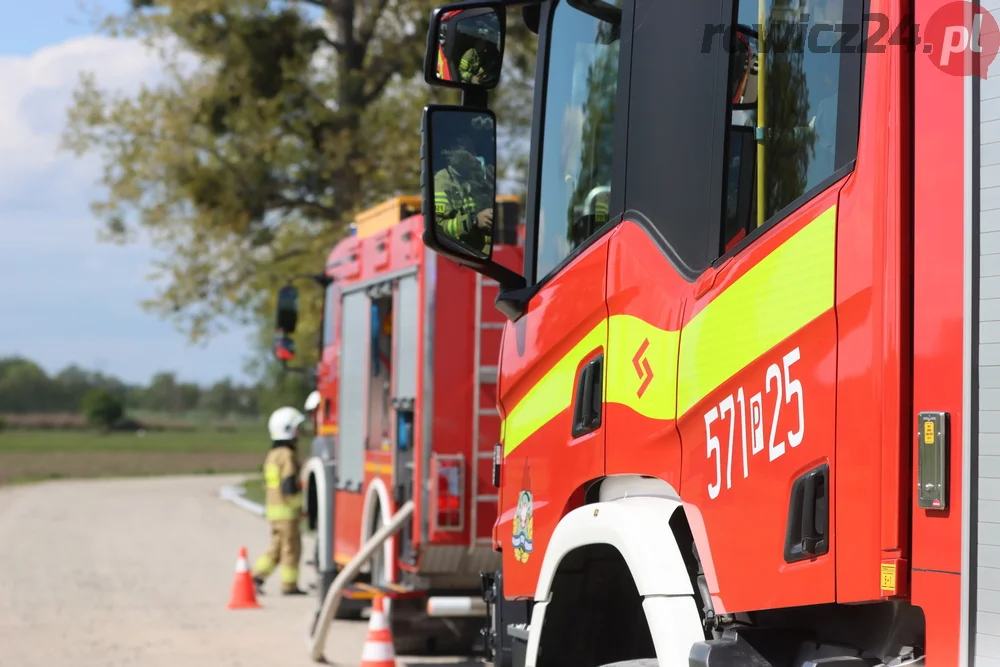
(407, 378)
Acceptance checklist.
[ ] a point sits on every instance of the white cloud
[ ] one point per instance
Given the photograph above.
(66, 297)
(37, 89)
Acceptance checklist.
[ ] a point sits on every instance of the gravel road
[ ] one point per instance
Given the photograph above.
(138, 573)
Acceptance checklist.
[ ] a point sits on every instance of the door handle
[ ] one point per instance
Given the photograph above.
(589, 399)
(808, 516)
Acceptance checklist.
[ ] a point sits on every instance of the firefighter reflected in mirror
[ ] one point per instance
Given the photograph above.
(283, 503)
(476, 42)
(480, 63)
(464, 192)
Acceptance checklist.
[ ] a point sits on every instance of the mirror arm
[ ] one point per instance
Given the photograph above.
(306, 370)
(508, 280)
(474, 97)
(321, 279)
(513, 301)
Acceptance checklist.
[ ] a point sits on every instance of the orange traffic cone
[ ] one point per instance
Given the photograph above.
(244, 596)
(378, 650)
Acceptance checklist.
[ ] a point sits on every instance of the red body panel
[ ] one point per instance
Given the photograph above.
(550, 463)
(643, 444)
(939, 181)
(732, 524)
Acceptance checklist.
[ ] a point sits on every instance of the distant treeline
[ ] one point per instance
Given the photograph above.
(25, 388)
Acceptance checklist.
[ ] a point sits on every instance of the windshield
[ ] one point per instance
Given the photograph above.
(579, 116)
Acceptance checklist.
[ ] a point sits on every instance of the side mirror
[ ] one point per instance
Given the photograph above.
(744, 67)
(284, 347)
(459, 179)
(288, 309)
(465, 45)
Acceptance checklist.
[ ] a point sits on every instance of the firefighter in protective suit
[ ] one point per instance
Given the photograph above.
(283, 503)
(462, 196)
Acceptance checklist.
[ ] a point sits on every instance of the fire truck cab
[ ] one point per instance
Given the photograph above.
(406, 380)
(748, 380)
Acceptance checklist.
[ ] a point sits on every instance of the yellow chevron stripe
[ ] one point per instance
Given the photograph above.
(784, 292)
(626, 335)
(774, 299)
(552, 394)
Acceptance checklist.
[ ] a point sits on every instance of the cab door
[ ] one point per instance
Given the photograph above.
(758, 356)
(554, 358)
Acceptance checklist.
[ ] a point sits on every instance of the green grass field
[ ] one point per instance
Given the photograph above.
(33, 455)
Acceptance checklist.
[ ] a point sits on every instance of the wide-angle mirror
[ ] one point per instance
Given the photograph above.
(469, 47)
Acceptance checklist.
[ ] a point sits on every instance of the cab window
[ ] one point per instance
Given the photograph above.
(803, 129)
(580, 92)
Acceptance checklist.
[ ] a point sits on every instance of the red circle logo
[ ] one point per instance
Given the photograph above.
(962, 38)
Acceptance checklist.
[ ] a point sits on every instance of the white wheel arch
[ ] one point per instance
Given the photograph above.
(377, 493)
(653, 557)
(314, 466)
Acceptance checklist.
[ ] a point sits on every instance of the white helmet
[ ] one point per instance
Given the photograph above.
(312, 402)
(284, 424)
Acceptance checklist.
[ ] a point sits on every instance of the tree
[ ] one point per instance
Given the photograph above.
(25, 387)
(247, 166)
(102, 408)
(162, 394)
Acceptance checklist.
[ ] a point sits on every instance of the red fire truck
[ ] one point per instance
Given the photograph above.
(751, 414)
(407, 411)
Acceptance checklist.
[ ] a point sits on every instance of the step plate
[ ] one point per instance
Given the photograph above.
(392, 591)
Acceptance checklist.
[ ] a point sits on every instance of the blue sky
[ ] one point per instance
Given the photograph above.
(65, 297)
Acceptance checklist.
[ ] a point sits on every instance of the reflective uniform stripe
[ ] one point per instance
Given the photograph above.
(288, 511)
(601, 209)
(289, 575)
(470, 65)
(781, 294)
(451, 211)
(272, 476)
(263, 566)
(291, 508)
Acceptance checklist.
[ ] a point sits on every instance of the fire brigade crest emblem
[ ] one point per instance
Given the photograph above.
(523, 520)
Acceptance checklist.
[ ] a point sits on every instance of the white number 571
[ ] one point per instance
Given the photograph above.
(780, 381)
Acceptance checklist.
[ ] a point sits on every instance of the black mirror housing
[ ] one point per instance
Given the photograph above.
(465, 45)
(458, 170)
(288, 309)
(458, 175)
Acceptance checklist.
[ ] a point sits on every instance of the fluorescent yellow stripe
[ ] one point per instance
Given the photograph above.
(378, 468)
(784, 292)
(553, 393)
(328, 429)
(272, 476)
(788, 289)
(626, 335)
